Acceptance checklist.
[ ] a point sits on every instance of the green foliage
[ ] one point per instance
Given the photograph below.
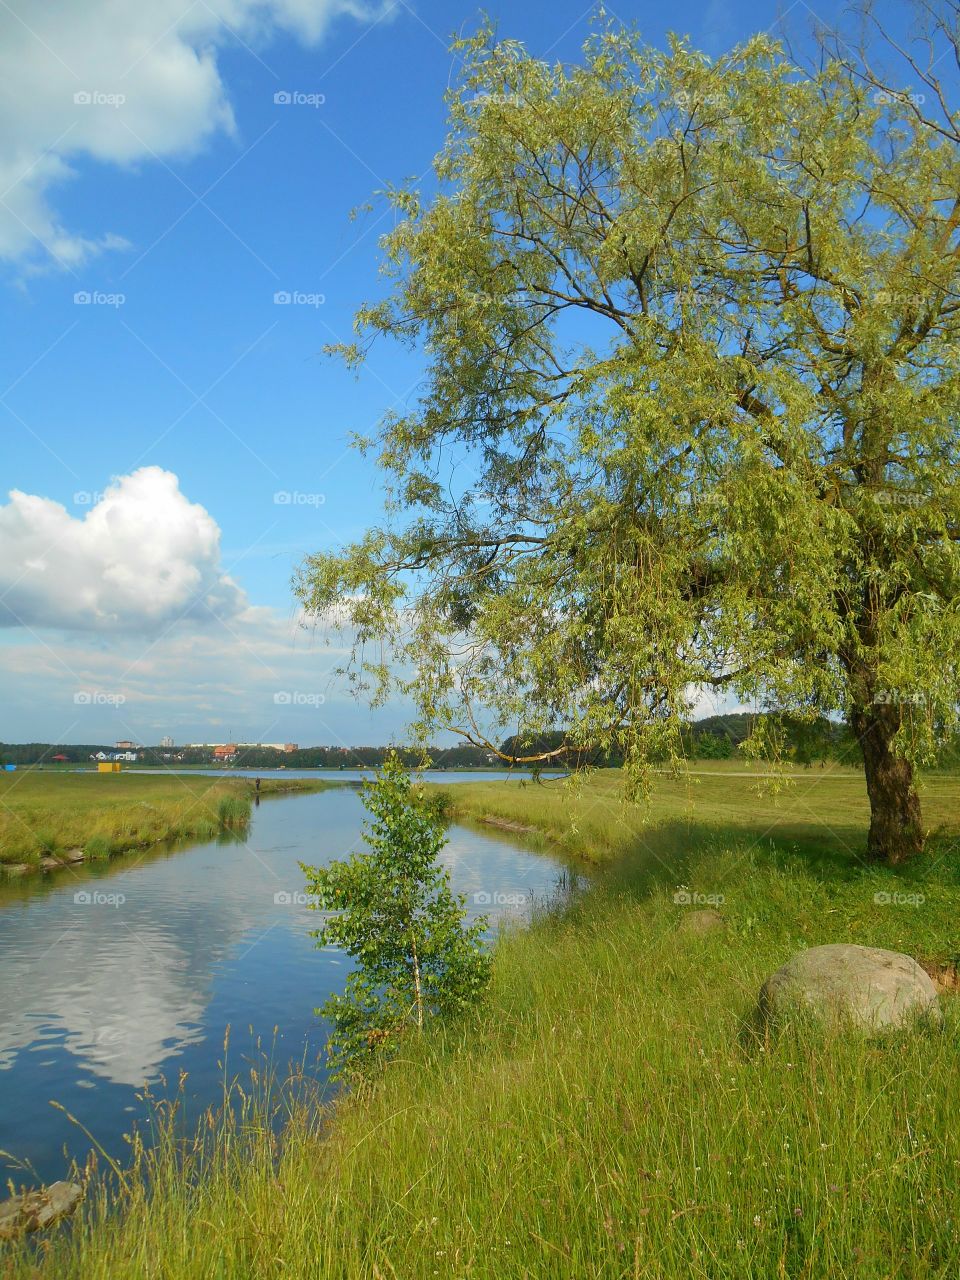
(234, 811)
(393, 912)
(694, 326)
(98, 848)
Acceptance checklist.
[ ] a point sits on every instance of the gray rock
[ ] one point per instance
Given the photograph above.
(706, 921)
(72, 855)
(870, 988)
(34, 1210)
(16, 868)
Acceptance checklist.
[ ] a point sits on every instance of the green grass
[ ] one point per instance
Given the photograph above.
(44, 813)
(823, 811)
(607, 1115)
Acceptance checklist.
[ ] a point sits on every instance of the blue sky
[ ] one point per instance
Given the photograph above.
(182, 197)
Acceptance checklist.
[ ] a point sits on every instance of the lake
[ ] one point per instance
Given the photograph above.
(128, 972)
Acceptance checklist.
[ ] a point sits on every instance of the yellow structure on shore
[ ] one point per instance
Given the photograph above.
(108, 766)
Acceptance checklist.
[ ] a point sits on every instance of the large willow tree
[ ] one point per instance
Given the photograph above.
(689, 417)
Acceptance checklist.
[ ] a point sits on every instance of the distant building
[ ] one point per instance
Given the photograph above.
(226, 751)
(166, 742)
(124, 745)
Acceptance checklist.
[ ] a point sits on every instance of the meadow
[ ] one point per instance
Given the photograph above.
(823, 810)
(611, 1112)
(46, 814)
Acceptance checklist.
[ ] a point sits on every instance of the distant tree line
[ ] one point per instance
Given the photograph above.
(719, 737)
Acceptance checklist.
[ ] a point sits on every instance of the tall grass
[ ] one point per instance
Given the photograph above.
(606, 1115)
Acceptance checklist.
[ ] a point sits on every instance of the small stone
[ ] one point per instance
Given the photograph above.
(871, 988)
(706, 921)
(49, 863)
(34, 1210)
(72, 855)
(16, 868)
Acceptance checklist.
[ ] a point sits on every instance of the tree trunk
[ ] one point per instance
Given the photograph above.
(896, 828)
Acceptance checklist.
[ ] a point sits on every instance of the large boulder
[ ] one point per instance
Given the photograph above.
(865, 986)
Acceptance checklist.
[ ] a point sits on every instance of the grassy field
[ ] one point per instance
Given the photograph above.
(824, 811)
(608, 1114)
(44, 814)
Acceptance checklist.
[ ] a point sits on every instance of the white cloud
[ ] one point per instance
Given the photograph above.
(149, 71)
(141, 558)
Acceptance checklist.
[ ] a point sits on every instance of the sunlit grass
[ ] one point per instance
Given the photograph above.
(44, 813)
(608, 1114)
(823, 810)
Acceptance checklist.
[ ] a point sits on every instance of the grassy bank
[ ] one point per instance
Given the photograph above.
(824, 811)
(605, 1116)
(46, 815)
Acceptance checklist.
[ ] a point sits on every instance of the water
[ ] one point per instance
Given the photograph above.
(129, 972)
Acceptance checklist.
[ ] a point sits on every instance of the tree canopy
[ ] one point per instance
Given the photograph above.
(688, 419)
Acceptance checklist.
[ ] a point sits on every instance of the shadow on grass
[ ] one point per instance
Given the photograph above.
(673, 853)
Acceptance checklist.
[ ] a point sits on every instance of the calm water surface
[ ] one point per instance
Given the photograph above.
(130, 972)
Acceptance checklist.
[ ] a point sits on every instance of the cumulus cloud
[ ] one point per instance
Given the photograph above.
(140, 559)
(119, 81)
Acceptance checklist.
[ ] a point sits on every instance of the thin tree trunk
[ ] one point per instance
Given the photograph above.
(417, 993)
(896, 827)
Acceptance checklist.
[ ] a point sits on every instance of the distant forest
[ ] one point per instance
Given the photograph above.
(713, 738)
